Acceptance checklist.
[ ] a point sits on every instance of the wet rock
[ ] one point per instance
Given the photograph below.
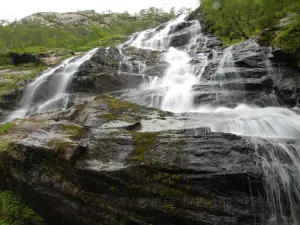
(134, 127)
(108, 70)
(181, 176)
(179, 39)
(181, 26)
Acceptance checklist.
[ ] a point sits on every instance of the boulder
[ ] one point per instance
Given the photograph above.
(99, 161)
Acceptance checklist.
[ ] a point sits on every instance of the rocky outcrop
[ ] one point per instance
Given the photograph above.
(260, 76)
(83, 165)
(113, 69)
(79, 18)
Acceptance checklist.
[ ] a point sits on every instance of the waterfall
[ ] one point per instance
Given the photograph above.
(272, 131)
(181, 75)
(37, 99)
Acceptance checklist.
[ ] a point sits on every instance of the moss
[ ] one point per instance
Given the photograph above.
(188, 188)
(138, 158)
(14, 211)
(131, 49)
(59, 144)
(168, 179)
(5, 128)
(155, 54)
(4, 145)
(170, 208)
(171, 192)
(108, 116)
(113, 189)
(57, 177)
(78, 109)
(177, 142)
(116, 104)
(144, 141)
(74, 131)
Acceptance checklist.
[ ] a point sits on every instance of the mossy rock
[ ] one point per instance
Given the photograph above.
(75, 131)
(5, 128)
(14, 211)
(60, 144)
(144, 141)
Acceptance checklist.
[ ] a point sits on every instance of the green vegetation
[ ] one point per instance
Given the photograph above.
(4, 128)
(237, 20)
(143, 142)
(289, 38)
(59, 144)
(73, 130)
(118, 105)
(34, 37)
(22, 73)
(14, 212)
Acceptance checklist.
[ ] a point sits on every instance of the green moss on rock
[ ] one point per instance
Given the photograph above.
(59, 144)
(73, 130)
(5, 128)
(14, 211)
(144, 141)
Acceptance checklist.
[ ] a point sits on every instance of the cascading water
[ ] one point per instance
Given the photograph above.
(59, 78)
(273, 131)
(181, 76)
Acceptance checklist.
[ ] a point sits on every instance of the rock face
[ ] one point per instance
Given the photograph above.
(259, 75)
(111, 70)
(79, 18)
(82, 166)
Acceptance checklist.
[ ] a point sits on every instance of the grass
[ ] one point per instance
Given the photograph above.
(107, 41)
(14, 212)
(11, 86)
(5, 128)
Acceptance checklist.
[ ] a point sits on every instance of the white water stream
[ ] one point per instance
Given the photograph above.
(269, 128)
(58, 97)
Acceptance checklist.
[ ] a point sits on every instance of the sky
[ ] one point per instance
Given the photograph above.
(17, 9)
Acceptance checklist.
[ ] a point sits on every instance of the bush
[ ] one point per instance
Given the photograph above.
(236, 20)
(289, 38)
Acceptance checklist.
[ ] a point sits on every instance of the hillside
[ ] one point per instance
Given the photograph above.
(79, 18)
(275, 22)
(76, 31)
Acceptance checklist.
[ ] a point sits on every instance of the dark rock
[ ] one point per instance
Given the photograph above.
(134, 127)
(181, 26)
(108, 70)
(175, 176)
(180, 39)
(19, 58)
